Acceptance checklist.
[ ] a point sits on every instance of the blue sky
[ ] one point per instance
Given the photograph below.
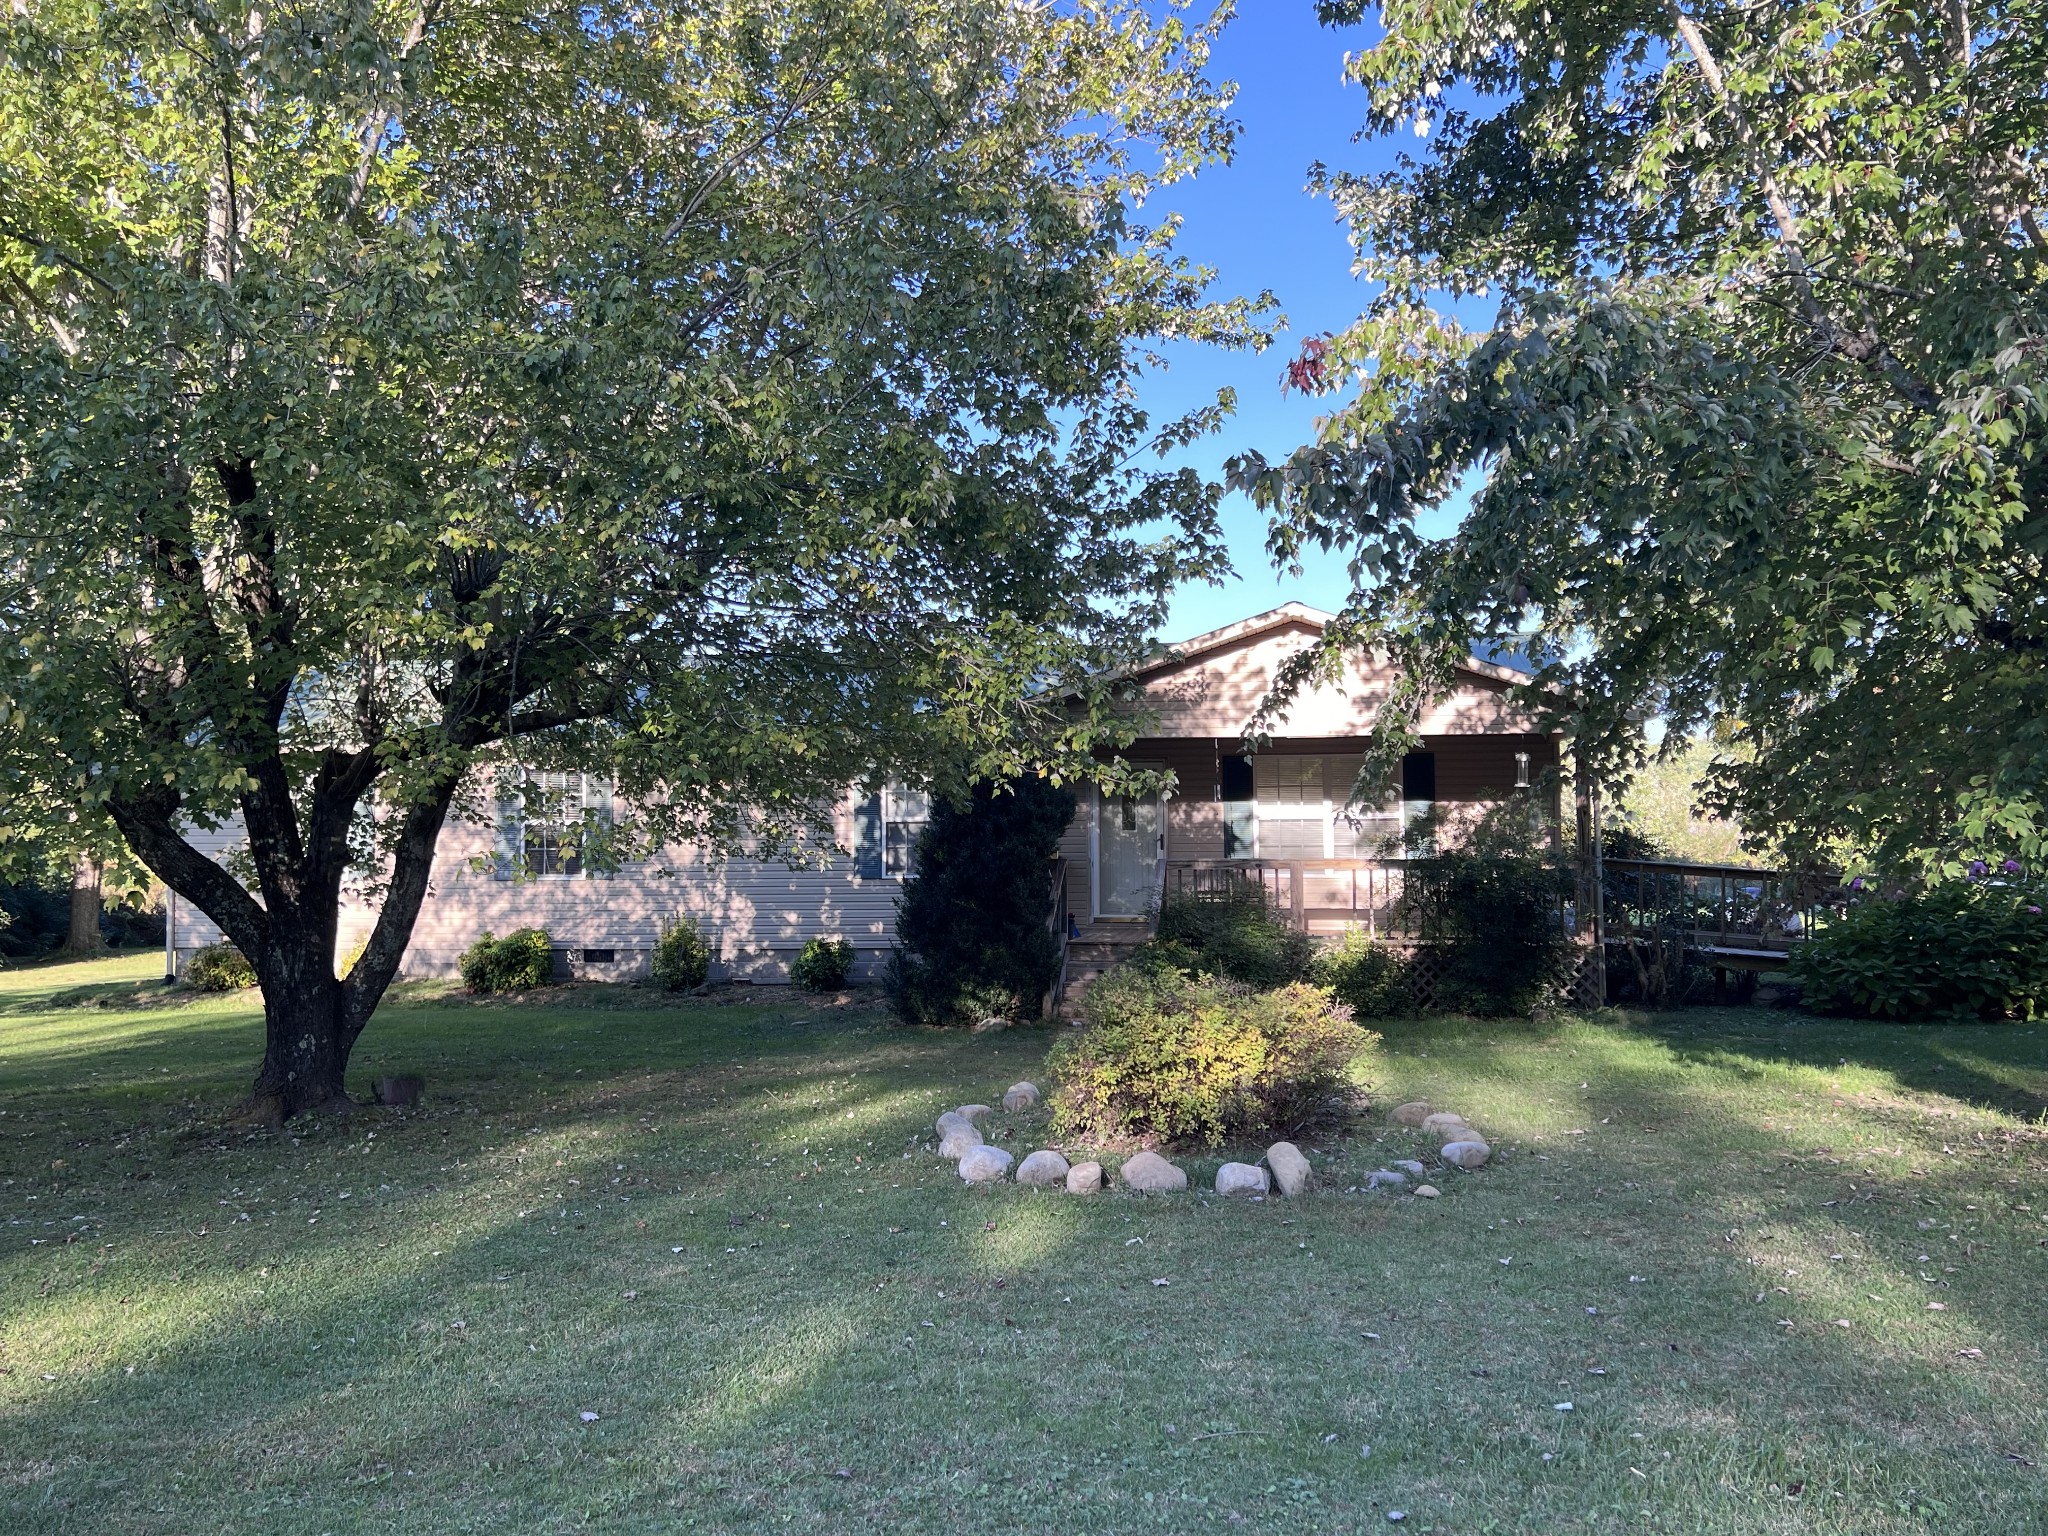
(1253, 222)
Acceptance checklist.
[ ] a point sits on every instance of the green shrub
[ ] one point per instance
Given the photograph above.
(1495, 918)
(972, 940)
(219, 968)
(1961, 949)
(822, 965)
(1166, 1056)
(682, 957)
(1365, 976)
(515, 963)
(1237, 933)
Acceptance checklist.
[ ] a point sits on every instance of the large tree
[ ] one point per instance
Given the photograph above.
(734, 398)
(1757, 431)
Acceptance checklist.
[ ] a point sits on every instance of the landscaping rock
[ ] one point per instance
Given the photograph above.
(974, 1114)
(1413, 1113)
(1412, 1168)
(1427, 1191)
(985, 1165)
(1084, 1178)
(1022, 1096)
(1149, 1173)
(1386, 1178)
(1044, 1169)
(1290, 1168)
(959, 1139)
(949, 1119)
(1241, 1179)
(1468, 1153)
(1443, 1120)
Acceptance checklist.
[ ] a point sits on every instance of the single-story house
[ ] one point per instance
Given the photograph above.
(1278, 816)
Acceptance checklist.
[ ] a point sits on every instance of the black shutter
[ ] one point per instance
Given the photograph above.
(1418, 776)
(867, 837)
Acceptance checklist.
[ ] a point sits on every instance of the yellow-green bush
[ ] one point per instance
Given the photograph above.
(1167, 1056)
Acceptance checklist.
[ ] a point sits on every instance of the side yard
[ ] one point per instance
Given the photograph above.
(638, 1265)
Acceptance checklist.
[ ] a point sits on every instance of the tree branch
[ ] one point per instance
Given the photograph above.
(149, 824)
(1864, 348)
(412, 865)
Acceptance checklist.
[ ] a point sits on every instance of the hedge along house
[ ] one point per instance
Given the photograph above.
(1278, 817)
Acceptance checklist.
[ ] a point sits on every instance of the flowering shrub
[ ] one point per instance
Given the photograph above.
(1166, 1056)
(1974, 948)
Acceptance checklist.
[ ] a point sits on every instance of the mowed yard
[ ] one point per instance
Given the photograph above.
(1789, 1275)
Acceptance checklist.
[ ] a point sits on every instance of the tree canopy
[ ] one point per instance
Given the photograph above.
(733, 399)
(1757, 431)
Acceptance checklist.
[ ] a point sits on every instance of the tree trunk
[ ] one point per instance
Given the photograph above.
(84, 937)
(307, 1036)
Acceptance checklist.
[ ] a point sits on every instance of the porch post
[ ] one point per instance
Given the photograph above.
(1592, 883)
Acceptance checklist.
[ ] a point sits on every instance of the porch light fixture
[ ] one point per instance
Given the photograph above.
(1521, 770)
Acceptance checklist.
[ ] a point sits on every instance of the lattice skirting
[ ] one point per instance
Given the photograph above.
(1579, 979)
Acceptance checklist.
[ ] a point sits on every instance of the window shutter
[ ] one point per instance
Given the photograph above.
(867, 837)
(510, 830)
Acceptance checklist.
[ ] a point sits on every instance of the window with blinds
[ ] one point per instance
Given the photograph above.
(1299, 810)
(543, 821)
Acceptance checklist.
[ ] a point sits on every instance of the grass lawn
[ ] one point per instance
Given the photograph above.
(717, 1229)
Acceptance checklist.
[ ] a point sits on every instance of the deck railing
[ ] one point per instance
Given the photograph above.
(1718, 906)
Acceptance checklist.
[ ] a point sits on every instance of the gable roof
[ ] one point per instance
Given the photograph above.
(1314, 618)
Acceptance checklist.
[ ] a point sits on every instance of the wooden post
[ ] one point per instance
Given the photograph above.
(1591, 906)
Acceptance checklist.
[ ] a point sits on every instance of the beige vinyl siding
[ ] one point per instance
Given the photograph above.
(1215, 695)
(187, 929)
(758, 913)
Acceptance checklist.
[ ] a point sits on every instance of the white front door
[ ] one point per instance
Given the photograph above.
(1128, 842)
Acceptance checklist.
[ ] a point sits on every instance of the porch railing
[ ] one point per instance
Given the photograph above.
(1327, 893)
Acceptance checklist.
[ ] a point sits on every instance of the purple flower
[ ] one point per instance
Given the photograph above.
(2035, 910)
(1856, 884)
(2011, 866)
(1979, 869)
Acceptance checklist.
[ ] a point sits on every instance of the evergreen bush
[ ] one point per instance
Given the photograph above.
(1173, 1057)
(682, 957)
(516, 963)
(219, 968)
(822, 965)
(971, 932)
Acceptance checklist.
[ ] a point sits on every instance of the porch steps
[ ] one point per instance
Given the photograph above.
(1099, 948)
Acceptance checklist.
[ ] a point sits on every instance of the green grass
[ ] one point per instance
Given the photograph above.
(700, 1224)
